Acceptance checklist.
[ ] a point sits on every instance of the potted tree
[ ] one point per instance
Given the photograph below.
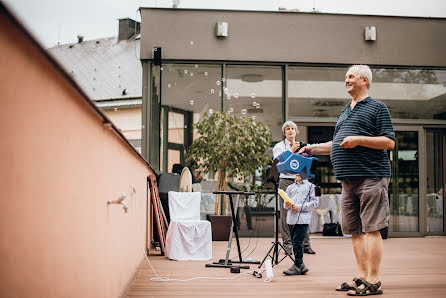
(230, 146)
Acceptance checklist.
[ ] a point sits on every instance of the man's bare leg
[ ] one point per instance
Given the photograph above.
(374, 255)
(368, 251)
(360, 248)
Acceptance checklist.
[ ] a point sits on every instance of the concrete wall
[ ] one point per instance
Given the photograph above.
(293, 37)
(59, 166)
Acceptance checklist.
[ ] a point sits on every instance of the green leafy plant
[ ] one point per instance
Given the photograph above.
(230, 146)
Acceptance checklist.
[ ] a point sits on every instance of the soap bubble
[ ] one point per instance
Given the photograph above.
(192, 102)
(244, 111)
(253, 117)
(191, 74)
(196, 66)
(231, 110)
(257, 106)
(228, 96)
(225, 90)
(223, 79)
(185, 71)
(161, 68)
(205, 73)
(235, 95)
(211, 111)
(212, 91)
(218, 83)
(253, 95)
(254, 103)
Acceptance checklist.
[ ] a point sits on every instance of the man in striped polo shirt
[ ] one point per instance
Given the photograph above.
(363, 133)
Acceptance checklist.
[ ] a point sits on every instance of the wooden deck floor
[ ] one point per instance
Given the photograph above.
(412, 267)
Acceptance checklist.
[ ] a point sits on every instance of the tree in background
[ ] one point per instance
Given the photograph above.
(230, 146)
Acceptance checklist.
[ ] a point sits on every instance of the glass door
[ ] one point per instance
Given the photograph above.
(176, 136)
(435, 181)
(404, 187)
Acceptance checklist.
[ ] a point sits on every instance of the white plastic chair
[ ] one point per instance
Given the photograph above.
(188, 237)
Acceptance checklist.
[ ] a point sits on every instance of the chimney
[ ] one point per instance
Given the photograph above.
(128, 28)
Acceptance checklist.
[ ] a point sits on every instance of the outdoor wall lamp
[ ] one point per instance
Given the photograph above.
(370, 33)
(221, 29)
(120, 200)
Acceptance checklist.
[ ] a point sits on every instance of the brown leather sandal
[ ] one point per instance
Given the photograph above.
(369, 289)
(346, 287)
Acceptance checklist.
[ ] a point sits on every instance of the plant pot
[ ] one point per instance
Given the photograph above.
(257, 222)
(248, 217)
(221, 226)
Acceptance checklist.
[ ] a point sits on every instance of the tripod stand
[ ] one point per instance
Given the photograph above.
(273, 252)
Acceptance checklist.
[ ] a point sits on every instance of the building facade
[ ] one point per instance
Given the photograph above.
(278, 66)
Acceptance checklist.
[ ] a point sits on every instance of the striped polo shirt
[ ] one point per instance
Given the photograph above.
(369, 117)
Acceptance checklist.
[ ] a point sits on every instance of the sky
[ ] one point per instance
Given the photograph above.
(55, 22)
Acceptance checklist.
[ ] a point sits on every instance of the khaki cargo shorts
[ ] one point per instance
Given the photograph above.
(365, 205)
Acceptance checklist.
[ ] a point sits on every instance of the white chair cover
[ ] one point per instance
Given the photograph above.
(321, 214)
(188, 237)
(335, 207)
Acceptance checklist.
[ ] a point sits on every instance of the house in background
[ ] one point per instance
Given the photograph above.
(110, 73)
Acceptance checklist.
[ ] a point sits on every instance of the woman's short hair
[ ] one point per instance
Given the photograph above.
(364, 71)
(289, 123)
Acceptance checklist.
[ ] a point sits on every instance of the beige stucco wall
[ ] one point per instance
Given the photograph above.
(59, 166)
(127, 120)
(292, 37)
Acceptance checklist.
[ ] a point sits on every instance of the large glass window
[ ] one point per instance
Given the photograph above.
(188, 91)
(435, 180)
(316, 91)
(255, 91)
(404, 185)
(408, 93)
(411, 93)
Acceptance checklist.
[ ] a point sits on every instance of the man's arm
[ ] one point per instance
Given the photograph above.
(317, 149)
(380, 142)
(277, 150)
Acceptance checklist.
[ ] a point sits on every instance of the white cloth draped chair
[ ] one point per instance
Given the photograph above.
(335, 207)
(188, 237)
(321, 214)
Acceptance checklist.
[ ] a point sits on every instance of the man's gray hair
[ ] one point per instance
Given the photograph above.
(364, 71)
(289, 123)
